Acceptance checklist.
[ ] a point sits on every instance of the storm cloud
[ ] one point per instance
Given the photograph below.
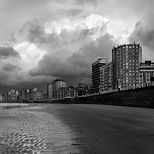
(6, 52)
(78, 64)
(62, 38)
(143, 34)
(9, 67)
(70, 45)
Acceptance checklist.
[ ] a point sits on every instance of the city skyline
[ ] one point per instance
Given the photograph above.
(126, 71)
(104, 72)
(41, 41)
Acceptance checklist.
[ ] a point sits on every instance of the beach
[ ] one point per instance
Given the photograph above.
(77, 129)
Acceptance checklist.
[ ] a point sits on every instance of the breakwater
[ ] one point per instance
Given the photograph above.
(140, 97)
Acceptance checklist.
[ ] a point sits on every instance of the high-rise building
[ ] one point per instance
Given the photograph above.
(96, 73)
(11, 96)
(62, 92)
(106, 78)
(29, 94)
(26, 94)
(58, 83)
(22, 94)
(1, 97)
(125, 61)
(146, 76)
(50, 91)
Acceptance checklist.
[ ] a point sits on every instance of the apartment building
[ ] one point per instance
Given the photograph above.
(126, 60)
(146, 74)
(106, 78)
(96, 79)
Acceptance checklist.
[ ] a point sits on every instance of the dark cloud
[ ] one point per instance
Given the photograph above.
(24, 85)
(89, 1)
(9, 67)
(70, 54)
(70, 12)
(69, 68)
(78, 64)
(6, 52)
(36, 34)
(33, 31)
(143, 34)
(144, 29)
(74, 12)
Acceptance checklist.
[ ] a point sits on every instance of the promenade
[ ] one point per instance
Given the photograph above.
(77, 129)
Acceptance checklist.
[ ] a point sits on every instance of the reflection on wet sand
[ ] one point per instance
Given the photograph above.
(29, 132)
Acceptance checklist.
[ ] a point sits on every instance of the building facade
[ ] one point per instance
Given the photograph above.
(50, 91)
(146, 74)
(29, 94)
(106, 78)
(96, 73)
(1, 97)
(58, 83)
(11, 96)
(37, 95)
(61, 93)
(26, 94)
(125, 61)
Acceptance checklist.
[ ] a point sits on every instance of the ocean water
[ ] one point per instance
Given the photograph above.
(30, 132)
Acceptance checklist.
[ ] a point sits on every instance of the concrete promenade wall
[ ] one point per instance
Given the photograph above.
(141, 97)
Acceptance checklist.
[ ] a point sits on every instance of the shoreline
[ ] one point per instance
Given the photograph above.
(33, 131)
(13, 104)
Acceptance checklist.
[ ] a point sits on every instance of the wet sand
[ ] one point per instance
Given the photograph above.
(26, 131)
(79, 129)
(102, 129)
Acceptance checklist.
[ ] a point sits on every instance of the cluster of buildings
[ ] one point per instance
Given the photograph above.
(22, 95)
(58, 89)
(125, 71)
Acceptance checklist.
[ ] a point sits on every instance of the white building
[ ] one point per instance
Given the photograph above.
(146, 73)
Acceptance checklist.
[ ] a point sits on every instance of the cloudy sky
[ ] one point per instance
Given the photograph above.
(41, 40)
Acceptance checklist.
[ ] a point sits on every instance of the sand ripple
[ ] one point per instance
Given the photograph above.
(24, 132)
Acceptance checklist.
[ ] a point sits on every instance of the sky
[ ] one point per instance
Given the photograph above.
(41, 40)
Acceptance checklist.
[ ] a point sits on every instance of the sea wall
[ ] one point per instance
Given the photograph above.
(141, 97)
